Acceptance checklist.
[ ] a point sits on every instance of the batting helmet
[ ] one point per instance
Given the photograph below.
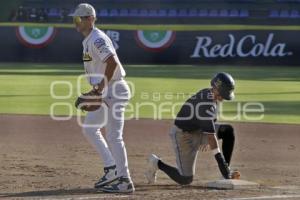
(224, 83)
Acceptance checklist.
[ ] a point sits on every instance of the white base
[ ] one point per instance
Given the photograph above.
(232, 184)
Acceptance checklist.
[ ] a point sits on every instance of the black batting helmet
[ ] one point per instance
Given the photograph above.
(224, 83)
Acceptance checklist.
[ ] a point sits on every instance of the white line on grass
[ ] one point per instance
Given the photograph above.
(266, 197)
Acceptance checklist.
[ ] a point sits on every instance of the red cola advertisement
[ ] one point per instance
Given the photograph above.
(48, 44)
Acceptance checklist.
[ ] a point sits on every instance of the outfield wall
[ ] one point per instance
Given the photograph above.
(236, 47)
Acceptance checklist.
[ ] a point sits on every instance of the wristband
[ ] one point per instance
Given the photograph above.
(216, 151)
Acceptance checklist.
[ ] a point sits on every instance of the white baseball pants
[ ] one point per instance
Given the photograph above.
(111, 116)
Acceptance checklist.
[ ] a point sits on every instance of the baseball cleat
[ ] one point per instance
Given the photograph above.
(150, 174)
(110, 175)
(122, 185)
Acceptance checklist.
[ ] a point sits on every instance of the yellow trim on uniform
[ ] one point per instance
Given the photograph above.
(86, 57)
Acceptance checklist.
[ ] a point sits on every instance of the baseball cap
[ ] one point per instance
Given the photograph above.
(84, 9)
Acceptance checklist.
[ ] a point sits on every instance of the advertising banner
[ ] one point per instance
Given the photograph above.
(48, 44)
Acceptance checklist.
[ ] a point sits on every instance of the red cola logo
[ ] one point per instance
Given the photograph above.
(247, 46)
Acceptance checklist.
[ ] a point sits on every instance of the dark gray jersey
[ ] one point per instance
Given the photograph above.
(198, 113)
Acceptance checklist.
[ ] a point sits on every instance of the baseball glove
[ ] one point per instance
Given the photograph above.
(89, 101)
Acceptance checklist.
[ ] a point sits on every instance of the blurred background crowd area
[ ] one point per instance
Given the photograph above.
(159, 11)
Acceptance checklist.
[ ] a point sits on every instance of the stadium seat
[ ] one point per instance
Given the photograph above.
(193, 13)
(71, 11)
(288, 1)
(114, 13)
(274, 14)
(133, 13)
(203, 13)
(143, 13)
(54, 12)
(182, 13)
(284, 14)
(244, 13)
(224, 13)
(152, 13)
(213, 13)
(103, 13)
(234, 13)
(162, 13)
(172, 13)
(124, 12)
(294, 14)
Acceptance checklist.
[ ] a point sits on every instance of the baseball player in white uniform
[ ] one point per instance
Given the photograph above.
(106, 75)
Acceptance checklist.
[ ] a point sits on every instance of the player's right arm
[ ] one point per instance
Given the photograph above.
(208, 113)
(104, 50)
(214, 146)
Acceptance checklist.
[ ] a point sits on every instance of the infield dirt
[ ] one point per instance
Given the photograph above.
(42, 158)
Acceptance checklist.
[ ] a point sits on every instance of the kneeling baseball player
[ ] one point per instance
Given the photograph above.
(195, 129)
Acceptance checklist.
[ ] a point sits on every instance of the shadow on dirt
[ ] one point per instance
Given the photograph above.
(90, 191)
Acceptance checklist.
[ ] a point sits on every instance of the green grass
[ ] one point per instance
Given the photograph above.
(25, 89)
(159, 27)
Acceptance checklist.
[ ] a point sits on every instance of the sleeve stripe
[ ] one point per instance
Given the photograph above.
(108, 55)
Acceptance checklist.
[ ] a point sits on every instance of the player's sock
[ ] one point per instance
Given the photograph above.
(173, 173)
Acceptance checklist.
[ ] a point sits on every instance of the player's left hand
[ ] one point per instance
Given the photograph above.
(89, 101)
(235, 174)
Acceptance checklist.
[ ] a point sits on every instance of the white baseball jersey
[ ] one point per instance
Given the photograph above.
(97, 47)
